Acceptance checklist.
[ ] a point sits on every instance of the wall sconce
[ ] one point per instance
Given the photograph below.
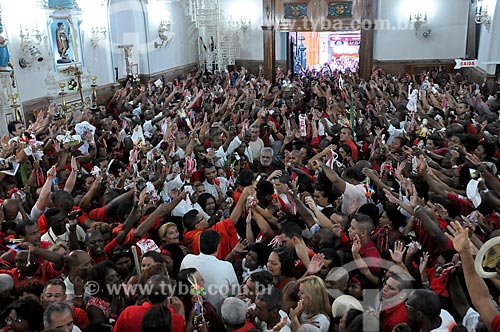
(164, 34)
(418, 20)
(243, 23)
(31, 40)
(98, 33)
(482, 16)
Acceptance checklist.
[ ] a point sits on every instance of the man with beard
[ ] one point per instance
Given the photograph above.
(266, 163)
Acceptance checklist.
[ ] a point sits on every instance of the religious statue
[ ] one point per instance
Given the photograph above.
(62, 43)
(4, 52)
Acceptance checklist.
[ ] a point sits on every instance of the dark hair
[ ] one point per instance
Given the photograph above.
(291, 230)
(56, 307)
(154, 255)
(21, 227)
(209, 241)
(98, 273)
(246, 177)
(30, 286)
(364, 322)
(371, 210)
(11, 127)
(287, 260)
(63, 200)
(437, 140)
(29, 310)
(263, 279)
(157, 319)
(183, 282)
(331, 255)
(262, 250)
(404, 281)
(51, 214)
(365, 222)
(395, 216)
(203, 198)
(55, 282)
(351, 315)
(272, 297)
(120, 252)
(190, 219)
(158, 292)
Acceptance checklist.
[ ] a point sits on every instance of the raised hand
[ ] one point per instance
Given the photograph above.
(459, 236)
(424, 260)
(316, 263)
(398, 253)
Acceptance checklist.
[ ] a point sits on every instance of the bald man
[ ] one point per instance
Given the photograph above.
(13, 210)
(78, 263)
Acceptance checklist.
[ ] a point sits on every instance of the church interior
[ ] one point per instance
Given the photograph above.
(74, 53)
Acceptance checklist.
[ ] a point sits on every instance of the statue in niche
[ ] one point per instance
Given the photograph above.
(4, 52)
(62, 43)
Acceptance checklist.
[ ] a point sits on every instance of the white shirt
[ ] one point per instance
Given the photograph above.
(220, 279)
(256, 147)
(52, 238)
(185, 206)
(212, 189)
(70, 290)
(222, 155)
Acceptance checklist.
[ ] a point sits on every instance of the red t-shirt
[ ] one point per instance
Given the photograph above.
(228, 238)
(248, 326)
(131, 318)
(44, 273)
(44, 228)
(372, 257)
(495, 324)
(393, 316)
(80, 318)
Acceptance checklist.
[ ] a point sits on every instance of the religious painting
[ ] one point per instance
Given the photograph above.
(295, 10)
(340, 9)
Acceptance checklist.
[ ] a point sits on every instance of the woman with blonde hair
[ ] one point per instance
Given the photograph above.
(314, 305)
(171, 246)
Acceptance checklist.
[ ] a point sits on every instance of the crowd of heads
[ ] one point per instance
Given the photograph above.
(225, 202)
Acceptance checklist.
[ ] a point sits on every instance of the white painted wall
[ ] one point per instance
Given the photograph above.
(126, 21)
(447, 20)
(251, 39)
(489, 41)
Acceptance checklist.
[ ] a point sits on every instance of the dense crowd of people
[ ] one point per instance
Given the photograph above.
(222, 202)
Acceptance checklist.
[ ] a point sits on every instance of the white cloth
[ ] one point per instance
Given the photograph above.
(221, 155)
(70, 290)
(247, 272)
(220, 279)
(185, 206)
(322, 321)
(354, 197)
(447, 322)
(256, 147)
(176, 182)
(52, 238)
(470, 320)
(212, 189)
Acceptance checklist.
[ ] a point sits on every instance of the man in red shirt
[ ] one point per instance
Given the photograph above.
(194, 224)
(28, 265)
(393, 308)
(361, 228)
(158, 287)
(346, 137)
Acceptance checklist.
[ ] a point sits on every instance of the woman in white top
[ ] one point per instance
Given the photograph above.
(313, 307)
